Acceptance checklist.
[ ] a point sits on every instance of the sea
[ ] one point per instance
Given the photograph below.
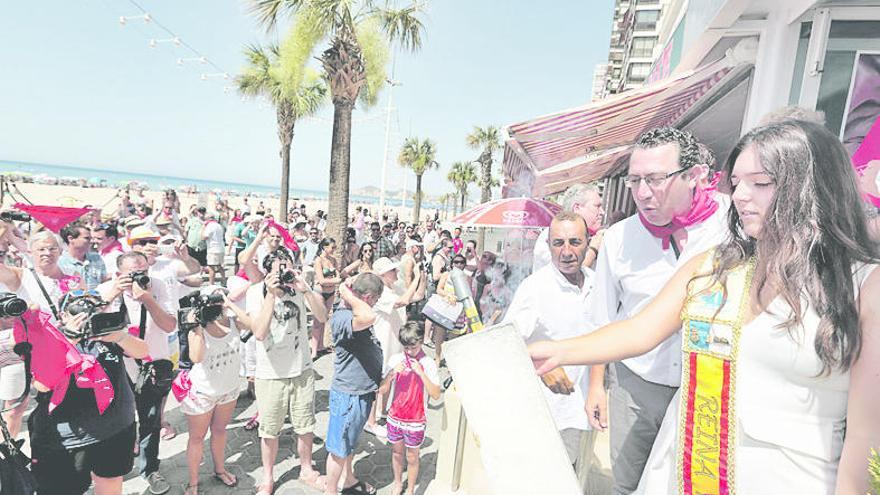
(119, 178)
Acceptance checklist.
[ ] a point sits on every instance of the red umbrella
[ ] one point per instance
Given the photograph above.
(510, 213)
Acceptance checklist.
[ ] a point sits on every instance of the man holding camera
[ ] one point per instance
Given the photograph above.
(151, 313)
(284, 381)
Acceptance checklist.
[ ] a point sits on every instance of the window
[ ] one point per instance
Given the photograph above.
(648, 2)
(638, 72)
(643, 47)
(646, 20)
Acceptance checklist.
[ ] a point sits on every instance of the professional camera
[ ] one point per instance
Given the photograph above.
(141, 278)
(97, 323)
(198, 309)
(14, 216)
(11, 305)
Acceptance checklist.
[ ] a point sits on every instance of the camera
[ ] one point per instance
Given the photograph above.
(198, 309)
(141, 278)
(14, 216)
(285, 276)
(97, 323)
(11, 305)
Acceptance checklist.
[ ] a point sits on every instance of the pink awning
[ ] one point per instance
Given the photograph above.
(510, 213)
(591, 142)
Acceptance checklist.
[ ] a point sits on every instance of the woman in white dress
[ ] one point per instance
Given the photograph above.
(781, 335)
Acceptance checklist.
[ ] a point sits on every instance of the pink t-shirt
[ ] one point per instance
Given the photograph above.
(409, 399)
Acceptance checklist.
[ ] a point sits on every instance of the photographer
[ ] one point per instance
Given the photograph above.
(209, 399)
(78, 443)
(284, 381)
(45, 283)
(151, 312)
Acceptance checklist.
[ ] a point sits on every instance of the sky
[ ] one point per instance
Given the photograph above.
(78, 88)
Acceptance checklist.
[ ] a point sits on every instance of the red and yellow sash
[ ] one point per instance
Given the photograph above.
(707, 420)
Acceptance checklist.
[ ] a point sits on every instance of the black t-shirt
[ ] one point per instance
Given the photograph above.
(76, 422)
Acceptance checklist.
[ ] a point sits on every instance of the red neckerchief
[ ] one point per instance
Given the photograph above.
(113, 246)
(702, 207)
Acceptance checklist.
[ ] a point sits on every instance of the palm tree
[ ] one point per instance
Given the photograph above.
(420, 156)
(358, 33)
(292, 100)
(487, 141)
(462, 175)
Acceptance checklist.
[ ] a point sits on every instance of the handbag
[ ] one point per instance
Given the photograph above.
(442, 312)
(154, 377)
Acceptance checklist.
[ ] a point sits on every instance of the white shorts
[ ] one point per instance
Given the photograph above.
(12, 381)
(214, 258)
(196, 404)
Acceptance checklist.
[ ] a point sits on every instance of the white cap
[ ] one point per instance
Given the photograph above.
(411, 244)
(383, 265)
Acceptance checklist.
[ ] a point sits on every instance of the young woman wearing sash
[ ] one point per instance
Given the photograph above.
(781, 333)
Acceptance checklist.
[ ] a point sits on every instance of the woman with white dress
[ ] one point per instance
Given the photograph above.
(781, 335)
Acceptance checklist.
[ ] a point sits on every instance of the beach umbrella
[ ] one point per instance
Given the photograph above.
(520, 213)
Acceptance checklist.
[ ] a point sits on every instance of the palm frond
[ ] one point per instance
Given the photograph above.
(375, 53)
(299, 47)
(268, 12)
(403, 26)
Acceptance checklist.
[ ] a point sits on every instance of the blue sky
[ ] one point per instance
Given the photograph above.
(77, 88)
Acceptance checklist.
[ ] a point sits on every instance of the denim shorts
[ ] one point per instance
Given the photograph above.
(348, 415)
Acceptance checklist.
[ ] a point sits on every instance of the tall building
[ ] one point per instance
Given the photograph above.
(598, 82)
(634, 34)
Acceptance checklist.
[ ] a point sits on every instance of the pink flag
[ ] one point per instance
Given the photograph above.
(54, 359)
(53, 217)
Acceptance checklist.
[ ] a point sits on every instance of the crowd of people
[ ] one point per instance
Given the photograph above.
(197, 330)
(735, 310)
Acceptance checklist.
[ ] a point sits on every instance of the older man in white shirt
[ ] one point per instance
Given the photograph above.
(585, 200)
(679, 217)
(553, 304)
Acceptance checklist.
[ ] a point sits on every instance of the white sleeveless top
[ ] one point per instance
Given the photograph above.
(217, 374)
(791, 420)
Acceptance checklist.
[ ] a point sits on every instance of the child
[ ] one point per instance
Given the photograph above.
(412, 373)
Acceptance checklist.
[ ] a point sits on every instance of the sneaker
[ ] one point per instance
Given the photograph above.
(157, 483)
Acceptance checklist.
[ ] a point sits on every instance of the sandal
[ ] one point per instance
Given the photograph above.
(359, 488)
(191, 489)
(253, 423)
(167, 432)
(226, 478)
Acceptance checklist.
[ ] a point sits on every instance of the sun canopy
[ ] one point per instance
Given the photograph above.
(550, 153)
(510, 213)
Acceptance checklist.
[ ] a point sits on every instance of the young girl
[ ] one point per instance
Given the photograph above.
(213, 390)
(413, 373)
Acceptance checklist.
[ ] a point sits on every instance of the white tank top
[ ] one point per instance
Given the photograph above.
(217, 374)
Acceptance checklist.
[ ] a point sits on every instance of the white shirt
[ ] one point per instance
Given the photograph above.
(389, 320)
(284, 353)
(214, 236)
(155, 337)
(631, 269)
(547, 306)
(541, 254)
(430, 237)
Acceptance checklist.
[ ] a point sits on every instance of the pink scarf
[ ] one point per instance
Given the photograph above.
(113, 246)
(285, 235)
(55, 359)
(867, 152)
(181, 387)
(702, 207)
(53, 218)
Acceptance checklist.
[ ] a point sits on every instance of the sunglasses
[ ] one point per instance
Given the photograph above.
(459, 262)
(144, 242)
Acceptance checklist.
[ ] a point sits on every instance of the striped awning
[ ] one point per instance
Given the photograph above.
(593, 141)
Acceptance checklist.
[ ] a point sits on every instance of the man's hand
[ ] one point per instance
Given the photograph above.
(417, 367)
(299, 283)
(181, 250)
(400, 367)
(272, 281)
(74, 323)
(596, 408)
(140, 294)
(557, 381)
(121, 285)
(596, 239)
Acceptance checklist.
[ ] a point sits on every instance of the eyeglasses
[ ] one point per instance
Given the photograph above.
(144, 242)
(652, 180)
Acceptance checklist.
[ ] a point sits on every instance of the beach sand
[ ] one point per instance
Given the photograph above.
(107, 199)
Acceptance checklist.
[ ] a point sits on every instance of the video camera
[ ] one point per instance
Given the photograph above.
(197, 309)
(141, 278)
(11, 305)
(98, 323)
(14, 216)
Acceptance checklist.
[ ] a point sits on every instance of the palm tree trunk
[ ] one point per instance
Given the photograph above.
(417, 204)
(285, 135)
(485, 194)
(340, 166)
(463, 199)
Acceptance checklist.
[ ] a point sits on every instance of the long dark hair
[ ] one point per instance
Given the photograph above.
(814, 233)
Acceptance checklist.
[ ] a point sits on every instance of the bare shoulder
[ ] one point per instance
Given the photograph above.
(869, 294)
